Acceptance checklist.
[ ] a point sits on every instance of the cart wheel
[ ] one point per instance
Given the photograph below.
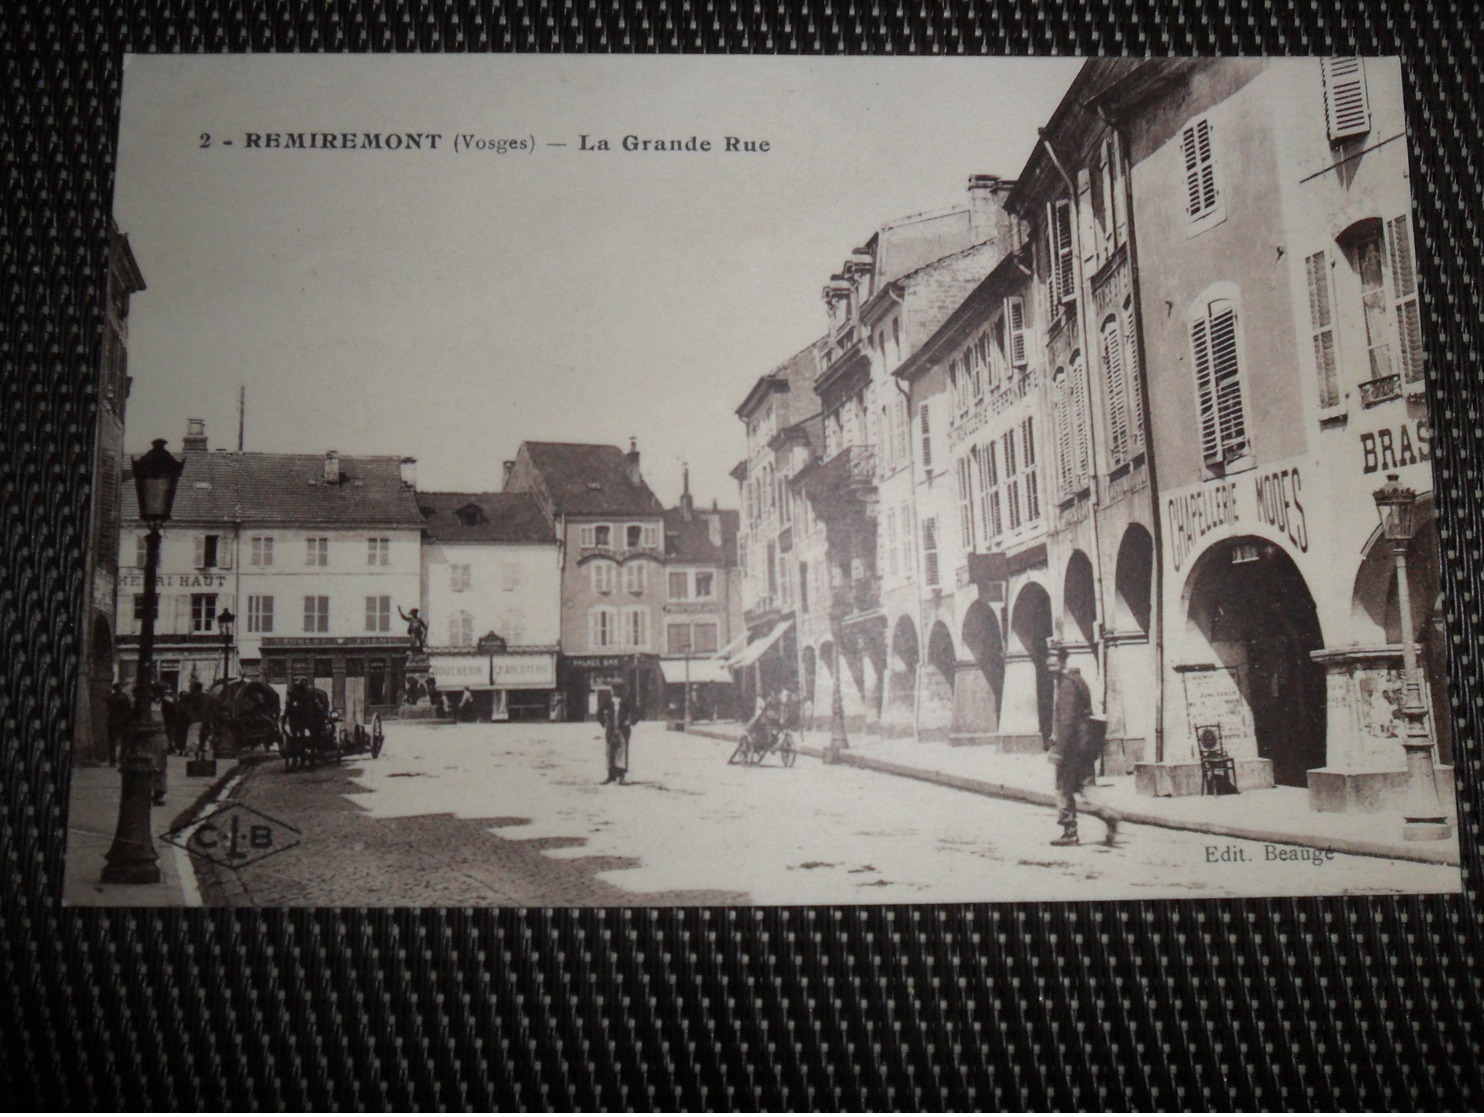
(759, 753)
(378, 738)
(786, 751)
(742, 753)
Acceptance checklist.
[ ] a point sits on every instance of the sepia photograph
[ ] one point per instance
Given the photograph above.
(540, 481)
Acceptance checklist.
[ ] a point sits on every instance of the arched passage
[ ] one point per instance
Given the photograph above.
(935, 714)
(901, 678)
(1133, 581)
(1032, 691)
(1253, 614)
(979, 691)
(1079, 602)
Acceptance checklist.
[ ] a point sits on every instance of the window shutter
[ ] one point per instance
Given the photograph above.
(224, 549)
(1015, 330)
(1200, 169)
(1062, 412)
(1347, 109)
(1321, 324)
(1404, 292)
(927, 438)
(1086, 232)
(1012, 483)
(930, 551)
(1119, 203)
(1200, 347)
(200, 552)
(965, 504)
(1064, 263)
(182, 613)
(1117, 387)
(1131, 376)
(1032, 485)
(1227, 376)
(1081, 418)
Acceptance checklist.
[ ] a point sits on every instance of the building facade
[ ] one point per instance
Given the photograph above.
(610, 527)
(1272, 204)
(782, 420)
(889, 297)
(491, 574)
(702, 613)
(314, 555)
(100, 584)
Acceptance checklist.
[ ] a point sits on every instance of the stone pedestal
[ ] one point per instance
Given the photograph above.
(1331, 789)
(1184, 777)
(1020, 713)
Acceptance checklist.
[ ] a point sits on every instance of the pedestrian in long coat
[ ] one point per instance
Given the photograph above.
(120, 711)
(616, 712)
(1074, 749)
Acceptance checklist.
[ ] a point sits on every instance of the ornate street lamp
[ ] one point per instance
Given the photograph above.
(132, 858)
(224, 622)
(838, 607)
(1423, 810)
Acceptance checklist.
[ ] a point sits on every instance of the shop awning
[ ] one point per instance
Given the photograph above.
(708, 670)
(756, 649)
(732, 646)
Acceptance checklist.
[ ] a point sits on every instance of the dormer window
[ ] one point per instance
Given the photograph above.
(470, 515)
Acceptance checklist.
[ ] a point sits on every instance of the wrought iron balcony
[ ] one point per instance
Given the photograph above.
(1380, 390)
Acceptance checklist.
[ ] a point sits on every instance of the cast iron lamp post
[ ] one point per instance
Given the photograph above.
(1425, 820)
(838, 743)
(224, 622)
(132, 858)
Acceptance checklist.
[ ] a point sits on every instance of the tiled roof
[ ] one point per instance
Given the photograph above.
(585, 479)
(485, 518)
(226, 487)
(690, 540)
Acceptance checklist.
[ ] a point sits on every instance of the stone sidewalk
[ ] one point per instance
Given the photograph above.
(1279, 815)
(92, 815)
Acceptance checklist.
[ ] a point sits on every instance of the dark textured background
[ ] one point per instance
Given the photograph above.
(1359, 1003)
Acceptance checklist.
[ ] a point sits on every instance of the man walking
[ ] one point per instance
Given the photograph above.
(1074, 748)
(617, 715)
(120, 710)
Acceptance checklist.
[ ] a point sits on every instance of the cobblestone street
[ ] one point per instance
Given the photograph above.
(476, 815)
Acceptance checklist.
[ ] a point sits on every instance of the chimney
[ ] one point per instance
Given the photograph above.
(987, 217)
(632, 457)
(408, 470)
(687, 503)
(713, 527)
(195, 435)
(332, 467)
(507, 474)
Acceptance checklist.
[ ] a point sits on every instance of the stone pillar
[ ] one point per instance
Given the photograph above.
(935, 705)
(976, 713)
(1020, 712)
(1365, 765)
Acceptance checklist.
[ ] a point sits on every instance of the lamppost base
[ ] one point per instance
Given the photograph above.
(132, 859)
(1426, 830)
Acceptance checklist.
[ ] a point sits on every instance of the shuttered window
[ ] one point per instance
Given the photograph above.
(1012, 482)
(1116, 385)
(966, 502)
(1062, 416)
(1028, 465)
(1081, 423)
(930, 552)
(1135, 381)
(1015, 331)
(1412, 356)
(1063, 266)
(1218, 376)
(927, 437)
(1322, 329)
(989, 490)
(1201, 192)
(1347, 108)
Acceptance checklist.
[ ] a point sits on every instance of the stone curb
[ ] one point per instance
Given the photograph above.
(1357, 846)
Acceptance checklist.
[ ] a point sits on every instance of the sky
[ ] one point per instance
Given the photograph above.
(449, 303)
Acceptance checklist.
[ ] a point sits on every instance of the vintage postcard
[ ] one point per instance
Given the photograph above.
(567, 481)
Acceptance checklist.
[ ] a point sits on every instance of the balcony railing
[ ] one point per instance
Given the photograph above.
(1380, 390)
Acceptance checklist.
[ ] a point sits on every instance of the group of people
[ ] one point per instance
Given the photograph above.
(178, 712)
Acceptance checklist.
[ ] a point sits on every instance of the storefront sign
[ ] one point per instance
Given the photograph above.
(596, 662)
(1273, 498)
(1396, 447)
(277, 642)
(178, 581)
(1213, 696)
(674, 607)
(512, 670)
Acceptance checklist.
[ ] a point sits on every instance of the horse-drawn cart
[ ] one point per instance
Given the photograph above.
(313, 732)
